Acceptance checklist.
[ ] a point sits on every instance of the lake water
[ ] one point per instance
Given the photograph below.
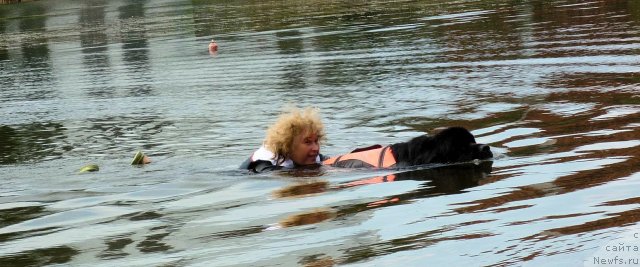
(552, 86)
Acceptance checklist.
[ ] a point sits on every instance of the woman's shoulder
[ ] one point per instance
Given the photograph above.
(260, 160)
(264, 159)
(263, 154)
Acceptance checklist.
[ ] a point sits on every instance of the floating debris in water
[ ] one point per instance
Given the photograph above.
(140, 158)
(89, 168)
(213, 46)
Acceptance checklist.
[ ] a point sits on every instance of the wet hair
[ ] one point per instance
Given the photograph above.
(454, 144)
(291, 123)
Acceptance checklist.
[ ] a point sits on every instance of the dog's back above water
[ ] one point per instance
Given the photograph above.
(451, 145)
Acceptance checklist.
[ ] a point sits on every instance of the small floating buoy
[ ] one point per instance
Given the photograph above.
(89, 168)
(213, 47)
(140, 158)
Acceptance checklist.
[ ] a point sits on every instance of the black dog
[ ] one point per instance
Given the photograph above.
(454, 144)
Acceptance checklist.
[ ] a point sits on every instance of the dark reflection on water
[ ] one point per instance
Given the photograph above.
(21, 214)
(95, 49)
(115, 248)
(552, 86)
(31, 142)
(41, 257)
(135, 47)
(36, 55)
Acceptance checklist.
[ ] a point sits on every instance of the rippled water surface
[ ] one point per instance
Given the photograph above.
(552, 86)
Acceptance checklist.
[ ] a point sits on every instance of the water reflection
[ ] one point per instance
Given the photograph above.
(294, 75)
(41, 257)
(448, 179)
(436, 181)
(31, 142)
(318, 260)
(551, 85)
(115, 248)
(95, 47)
(135, 47)
(302, 189)
(119, 135)
(208, 19)
(153, 243)
(4, 52)
(16, 215)
(309, 217)
(35, 55)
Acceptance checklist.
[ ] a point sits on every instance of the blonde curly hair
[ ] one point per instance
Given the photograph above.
(291, 123)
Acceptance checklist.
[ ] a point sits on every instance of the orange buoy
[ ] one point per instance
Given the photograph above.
(213, 46)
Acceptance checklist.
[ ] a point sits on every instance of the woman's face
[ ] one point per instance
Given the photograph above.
(305, 148)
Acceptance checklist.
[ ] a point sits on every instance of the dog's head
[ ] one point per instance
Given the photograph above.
(454, 144)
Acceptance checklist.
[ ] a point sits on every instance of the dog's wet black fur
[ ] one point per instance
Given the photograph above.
(454, 144)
